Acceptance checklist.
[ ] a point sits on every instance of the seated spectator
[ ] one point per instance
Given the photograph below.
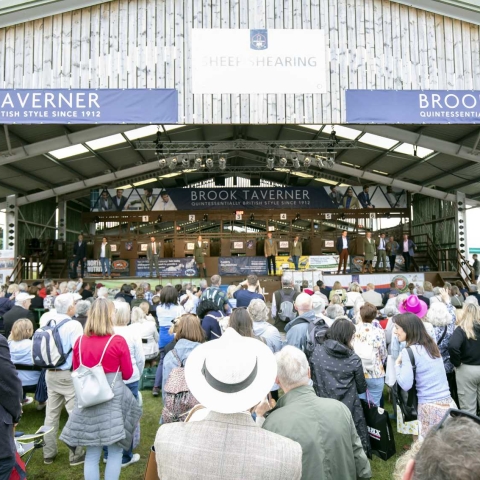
(456, 297)
(318, 305)
(331, 448)
(471, 299)
(227, 433)
(125, 293)
(231, 300)
(86, 290)
(145, 306)
(189, 300)
(428, 289)
(139, 297)
(337, 289)
(449, 451)
(337, 373)
(147, 331)
(209, 313)
(462, 289)
(336, 300)
(6, 303)
(354, 292)
(251, 291)
(371, 296)
(317, 291)
(332, 313)
(81, 311)
(37, 301)
(297, 328)
(20, 344)
(305, 288)
(421, 296)
(102, 292)
(354, 313)
(11, 289)
(50, 294)
(155, 304)
(392, 292)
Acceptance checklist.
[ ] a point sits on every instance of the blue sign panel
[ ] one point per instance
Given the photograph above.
(168, 267)
(116, 106)
(413, 106)
(242, 266)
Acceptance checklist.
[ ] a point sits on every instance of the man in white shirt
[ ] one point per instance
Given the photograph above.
(381, 254)
(59, 380)
(371, 296)
(153, 251)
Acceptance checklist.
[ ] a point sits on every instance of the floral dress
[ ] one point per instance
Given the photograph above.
(374, 334)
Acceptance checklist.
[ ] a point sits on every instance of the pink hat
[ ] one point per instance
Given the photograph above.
(413, 305)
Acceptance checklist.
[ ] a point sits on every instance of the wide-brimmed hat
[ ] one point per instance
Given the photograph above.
(22, 296)
(413, 305)
(231, 374)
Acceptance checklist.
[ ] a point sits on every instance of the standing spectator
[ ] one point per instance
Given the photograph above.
(80, 256)
(370, 345)
(210, 315)
(337, 373)
(21, 309)
(111, 423)
(81, 311)
(137, 357)
(430, 377)
(371, 296)
(215, 293)
(407, 250)
(369, 247)
(262, 329)
(59, 381)
(297, 328)
(331, 448)
(391, 251)
(464, 348)
(296, 250)
(332, 313)
(381, 253)
(414, 305)
(442, 317)
(343, 246)
(476, 266)
(105, 258)
(10, 410)
(204, 450)
(286, 296)
(270, 250)
(245, 296)
(241, 322)
(167, 311)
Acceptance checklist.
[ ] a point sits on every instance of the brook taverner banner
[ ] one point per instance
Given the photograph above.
(413, 106)
(258, 61)
(242, 266)
(112, 106)
(168, 267)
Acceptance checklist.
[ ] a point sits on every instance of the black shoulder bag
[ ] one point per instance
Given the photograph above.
(408, 400)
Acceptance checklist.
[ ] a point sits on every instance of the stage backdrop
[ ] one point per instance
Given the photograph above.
(156, 199)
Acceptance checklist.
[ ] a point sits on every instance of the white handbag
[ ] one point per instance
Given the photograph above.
(91, 384)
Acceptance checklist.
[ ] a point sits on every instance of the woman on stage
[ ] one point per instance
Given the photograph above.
(199, 255)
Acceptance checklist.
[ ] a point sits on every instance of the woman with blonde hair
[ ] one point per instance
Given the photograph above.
(231, 300)
(337, 289)
(139, 297)
(464, 348)
(145, 306)
(336, 300)
(146, 330)
(428, 289)
(111, 423)
(354, 292)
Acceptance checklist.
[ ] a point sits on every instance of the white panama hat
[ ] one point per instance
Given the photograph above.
(231, 374)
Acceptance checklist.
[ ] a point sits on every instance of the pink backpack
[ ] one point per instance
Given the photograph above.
(178, 398)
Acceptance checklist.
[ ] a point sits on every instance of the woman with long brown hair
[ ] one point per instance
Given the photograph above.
(430, 377)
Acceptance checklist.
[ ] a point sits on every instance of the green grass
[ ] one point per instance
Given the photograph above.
(61, 470)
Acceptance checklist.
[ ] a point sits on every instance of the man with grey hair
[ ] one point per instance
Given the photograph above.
(216, 294)
(102, 292)
(371, 296)
(333, 312)
(331, 447)
(23, 287)
(283, 303)
(147, 292)
(18, 311)
(81, 311)
(59, 380)
(298, 327)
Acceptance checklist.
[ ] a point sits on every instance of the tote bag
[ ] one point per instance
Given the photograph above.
(407, 400)
(91, 384)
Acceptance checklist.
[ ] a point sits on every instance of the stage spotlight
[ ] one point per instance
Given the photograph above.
(283, 162)
(185, 162)
(209, 163)
(319, 162)
(333, 136)
(162, 162)
(252, 217)
(307, 162)
(222, 163)
(270, 163)
(205, 217)
(198, 162)
(295, 162)
(173, 164)
(329, 162)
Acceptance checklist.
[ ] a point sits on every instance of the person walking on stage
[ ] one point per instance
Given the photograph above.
(368, 252)
(343, 244)
(153, 251)
(381, 254)
(391, 251)
(270, 249)
(199, 254)
(80, 254)
(296, 251)
(406, 249)
(106, 258)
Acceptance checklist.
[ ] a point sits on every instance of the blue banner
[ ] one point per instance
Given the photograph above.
(168, 267)
(112, 106)
(413, 106)
(242, 266)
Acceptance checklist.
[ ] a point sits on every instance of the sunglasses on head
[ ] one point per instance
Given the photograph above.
(455, 413)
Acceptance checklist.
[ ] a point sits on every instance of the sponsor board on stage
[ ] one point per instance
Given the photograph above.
(356, 263)
(119, 268)
(168, 267)
(381, 281)
(311, 276)
(317, 262)
(242, 266)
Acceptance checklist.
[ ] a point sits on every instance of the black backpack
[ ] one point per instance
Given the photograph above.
(315, 333)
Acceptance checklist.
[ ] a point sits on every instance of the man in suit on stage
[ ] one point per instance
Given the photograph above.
(364, 198)
(80, 254)
(343, 245)
(153, 252)
(349, 201)
(105, 202)
(270, 249)
(381, 253)
(119, 200)
(407, 250)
